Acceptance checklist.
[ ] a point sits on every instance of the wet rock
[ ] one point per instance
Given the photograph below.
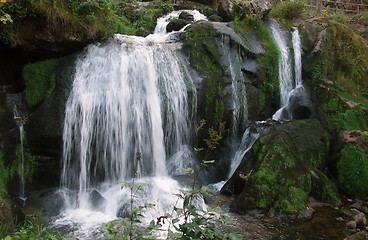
(48, 201)
(357, 205)
(97, 200)
(186, 16)
(226, 10)
(360, 220)
(351, 224)
(176, 25)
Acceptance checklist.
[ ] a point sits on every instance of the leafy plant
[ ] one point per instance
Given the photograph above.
(130, 227)
(287, 10)
(4, 17)
(32, 228)
(166, 7)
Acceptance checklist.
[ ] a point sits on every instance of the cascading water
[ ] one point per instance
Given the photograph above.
(129, 98)
(297, 57)
(290, 72)
(20, 123)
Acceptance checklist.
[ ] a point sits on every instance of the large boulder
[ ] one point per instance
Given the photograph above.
(351, 162)
(282, 168)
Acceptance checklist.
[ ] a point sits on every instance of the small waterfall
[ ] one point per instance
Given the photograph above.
(129, 98)
(22, 195)
(237, 90)
(20, 123)
(297, 57)
(292, 91)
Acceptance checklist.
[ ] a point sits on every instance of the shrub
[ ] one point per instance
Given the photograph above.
(287, 10)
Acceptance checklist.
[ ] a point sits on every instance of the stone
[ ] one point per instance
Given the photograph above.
(97, 199)
(226, 10)
(359, 219)
(176, 25)
(186, 16)
(351, 224)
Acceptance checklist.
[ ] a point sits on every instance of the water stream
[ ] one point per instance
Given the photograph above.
(128, 116)
(292, 91)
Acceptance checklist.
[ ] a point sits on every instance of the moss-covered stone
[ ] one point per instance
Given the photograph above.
(279, 180)
(40, 80)
(285, 167)
(201, 47)
(352, 170)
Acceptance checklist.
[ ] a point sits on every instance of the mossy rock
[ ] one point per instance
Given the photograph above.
(200, 45)
(351, 161)
(176, 25)
(279, 179)
(40, 80)
(277, 171)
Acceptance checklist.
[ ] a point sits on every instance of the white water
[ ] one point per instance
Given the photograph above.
(129, 98)
(22, 185)
(20, 122)
(290, 70)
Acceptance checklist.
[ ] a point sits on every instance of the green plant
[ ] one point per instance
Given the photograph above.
(4, 17)
(31, 229)
(287, 10)
(338, 16)
(166, 7)
(186, 222)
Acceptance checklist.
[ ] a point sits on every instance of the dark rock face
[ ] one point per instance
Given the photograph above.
(47, 200)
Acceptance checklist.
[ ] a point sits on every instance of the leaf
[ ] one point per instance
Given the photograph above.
(208, 161)
(197, 150)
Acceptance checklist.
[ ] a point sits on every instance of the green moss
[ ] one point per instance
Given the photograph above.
(353, 119)
(200, 46)
(343, 61)
(352, 170)
(40, 80)
(323, 188)
(278, 181)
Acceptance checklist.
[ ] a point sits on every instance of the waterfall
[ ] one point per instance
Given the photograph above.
(292, 91)
(128, 113)
(17, 117)
(297, 57)
(22, 195)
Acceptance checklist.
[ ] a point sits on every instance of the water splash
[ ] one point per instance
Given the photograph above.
(129, 97)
